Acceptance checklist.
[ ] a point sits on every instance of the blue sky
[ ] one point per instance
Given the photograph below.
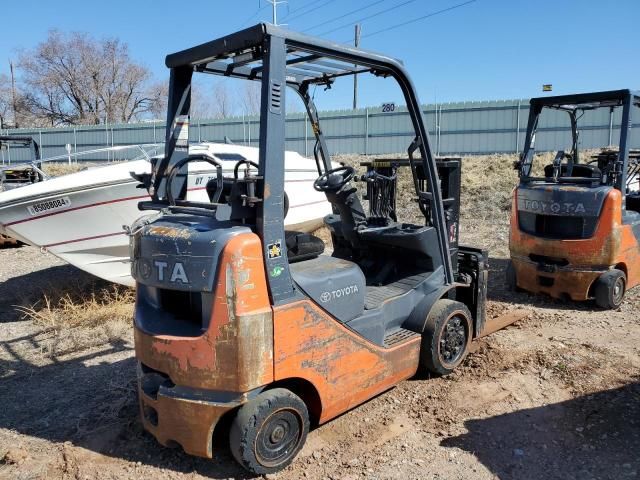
(488, 49)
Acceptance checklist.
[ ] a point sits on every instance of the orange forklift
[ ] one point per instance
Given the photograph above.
(241, 323)
(575, 223)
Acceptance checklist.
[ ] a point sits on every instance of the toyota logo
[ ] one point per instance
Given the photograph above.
(325, 297)
(144, 268)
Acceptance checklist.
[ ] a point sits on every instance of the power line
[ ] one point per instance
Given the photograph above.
(302, 7)
(360, 20)
(309, 11)
(255, 14)
(357, 10)
(448, 9)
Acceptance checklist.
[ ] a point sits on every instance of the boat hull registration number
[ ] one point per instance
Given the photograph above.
(49, 205)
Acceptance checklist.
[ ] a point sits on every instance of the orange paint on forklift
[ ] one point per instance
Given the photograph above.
(613, 245)
(239, 353)
(575, 222)
(344, 368)
(235, 352)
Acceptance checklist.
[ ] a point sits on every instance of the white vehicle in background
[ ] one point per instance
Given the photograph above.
(79, 217)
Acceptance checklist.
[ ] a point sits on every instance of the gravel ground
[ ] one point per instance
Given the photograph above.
(555, 396)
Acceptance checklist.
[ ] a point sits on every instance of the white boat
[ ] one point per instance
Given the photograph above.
(79, 217)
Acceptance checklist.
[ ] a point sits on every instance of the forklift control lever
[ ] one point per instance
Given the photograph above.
(248, 164)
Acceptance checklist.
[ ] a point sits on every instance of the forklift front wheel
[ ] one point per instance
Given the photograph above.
(269, 431)
(609, 289)
(446, 337)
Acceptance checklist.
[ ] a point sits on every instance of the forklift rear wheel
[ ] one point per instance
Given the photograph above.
(609, 289)
(269, 431)
(446, 337)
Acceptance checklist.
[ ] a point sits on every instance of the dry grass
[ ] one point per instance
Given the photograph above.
(91, 308)
(487, 183)
(85, 316)
(82, 319)
(485, 197)
(59, 169)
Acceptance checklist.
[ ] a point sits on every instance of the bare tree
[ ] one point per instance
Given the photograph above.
(71, 79)
(5, 100)
(202, 105)
(251, 98)
(211, 99)
(223, 104)
(159, 92)
(12, 115)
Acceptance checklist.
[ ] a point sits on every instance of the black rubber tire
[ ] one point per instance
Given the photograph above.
(286, 205)
(282, 413)
(609, 289)
(443, 330)
(511, 281)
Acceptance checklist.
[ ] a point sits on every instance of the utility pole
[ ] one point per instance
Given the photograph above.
(356, 42)
(13, 95)
(274, 9)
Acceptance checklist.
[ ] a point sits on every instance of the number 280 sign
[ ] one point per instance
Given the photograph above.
(388, 107)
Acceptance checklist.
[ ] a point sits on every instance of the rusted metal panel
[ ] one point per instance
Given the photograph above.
(612, 244)
(575, 284)
(187, 422)
(235, 353)
(345, 369)
(600, 249)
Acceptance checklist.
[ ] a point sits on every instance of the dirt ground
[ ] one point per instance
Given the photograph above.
(555, 396)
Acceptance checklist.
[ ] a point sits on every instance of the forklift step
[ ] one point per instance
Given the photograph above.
(376, 296)
(398, 336)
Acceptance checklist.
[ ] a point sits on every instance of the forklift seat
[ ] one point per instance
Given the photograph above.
(302, 246)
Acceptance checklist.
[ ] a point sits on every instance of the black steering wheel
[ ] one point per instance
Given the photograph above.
(244, 161)
(334, 179)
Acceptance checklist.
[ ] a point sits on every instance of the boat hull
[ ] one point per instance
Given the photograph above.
(81, 220)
